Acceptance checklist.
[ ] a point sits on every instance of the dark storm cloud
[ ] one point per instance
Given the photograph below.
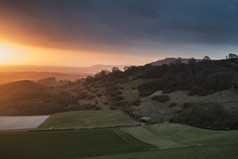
(128, 23)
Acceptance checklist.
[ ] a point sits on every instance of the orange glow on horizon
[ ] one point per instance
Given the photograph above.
(15, 54)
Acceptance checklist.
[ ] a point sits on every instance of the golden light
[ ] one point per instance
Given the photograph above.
(12, 53)
(6, 53)
(15, 54)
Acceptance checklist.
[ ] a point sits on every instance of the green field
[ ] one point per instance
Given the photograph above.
(191, 142)
(67, 144)
(192, 136)
(163, 141)
(199, 152)
(87, 119)
(167, 136)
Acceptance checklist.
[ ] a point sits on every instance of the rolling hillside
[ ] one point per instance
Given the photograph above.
(167, 93)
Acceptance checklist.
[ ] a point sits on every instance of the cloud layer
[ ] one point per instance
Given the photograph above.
(125, 25)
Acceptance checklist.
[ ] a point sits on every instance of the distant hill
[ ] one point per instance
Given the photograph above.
(170, 60)
(13, 73)
(58, 69)
(6, 77)
(97, 68)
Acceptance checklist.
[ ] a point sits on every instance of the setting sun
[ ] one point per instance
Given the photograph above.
(6, 53)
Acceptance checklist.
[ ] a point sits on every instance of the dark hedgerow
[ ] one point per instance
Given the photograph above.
(207, 115)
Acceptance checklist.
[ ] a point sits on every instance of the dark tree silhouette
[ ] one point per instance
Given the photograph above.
(206, 58)
(232, 56)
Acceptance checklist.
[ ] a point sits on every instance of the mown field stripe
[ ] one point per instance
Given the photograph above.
(147, 136)
(193, 136)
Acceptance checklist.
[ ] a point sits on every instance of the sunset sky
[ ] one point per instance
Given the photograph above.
(89, 32)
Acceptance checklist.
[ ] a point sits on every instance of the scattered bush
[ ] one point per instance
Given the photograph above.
(105, 103)
(113, 93)
(172, 104)
(118, 98)
(187, 105)
(147, 89)
(161, 98)
(113, 107)
(89, 107)
(99, 94)
(83, 95)
(136, 102)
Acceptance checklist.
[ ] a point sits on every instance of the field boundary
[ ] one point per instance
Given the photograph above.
(89, 128)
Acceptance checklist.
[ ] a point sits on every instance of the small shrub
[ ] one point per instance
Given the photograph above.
(113, 107)
(99, 94)
(118, 98)
(147, 89)
(161, 98)
(172, 104)
(136, 102)
(187, 105)
(113, 93)
(105, 103)
(89, 107)
(83, 95)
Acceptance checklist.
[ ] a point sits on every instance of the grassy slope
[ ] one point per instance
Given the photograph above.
(161, 112)
(199, 144)
(192, 136)
(84, 119)
(147, 136)
(69, 144)
(177, 135)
